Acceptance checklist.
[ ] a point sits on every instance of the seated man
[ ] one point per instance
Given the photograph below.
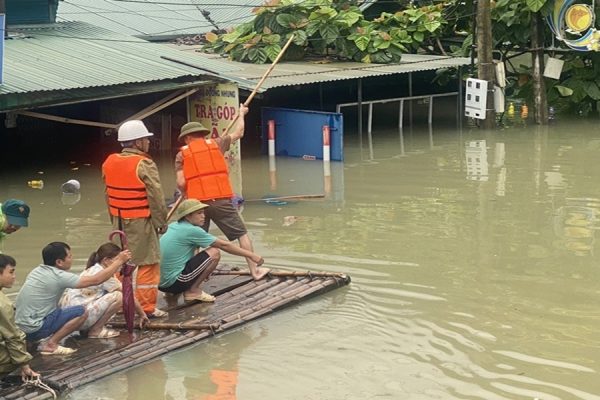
(13, 352)
(182, 268)
(13, 215)
(38, 314)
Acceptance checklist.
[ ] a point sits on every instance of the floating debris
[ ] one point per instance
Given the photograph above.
(36, 184)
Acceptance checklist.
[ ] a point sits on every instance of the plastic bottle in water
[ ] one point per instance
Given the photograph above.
(551, 113)
(36, 184)
(524, 111)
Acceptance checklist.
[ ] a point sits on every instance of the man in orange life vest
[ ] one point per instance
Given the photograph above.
(202, 174)
(136, 204)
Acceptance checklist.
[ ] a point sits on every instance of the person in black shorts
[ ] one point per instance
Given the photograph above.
(184, 266)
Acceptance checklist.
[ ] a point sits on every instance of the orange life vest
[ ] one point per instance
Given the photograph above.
(127, 195)
(205, 171)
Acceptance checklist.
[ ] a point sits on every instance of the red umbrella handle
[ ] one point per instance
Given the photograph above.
(122, 236)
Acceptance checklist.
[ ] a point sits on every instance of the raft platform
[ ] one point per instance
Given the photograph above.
(239, 300)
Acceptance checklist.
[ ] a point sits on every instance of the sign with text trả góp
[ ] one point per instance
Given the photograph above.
(215, 106)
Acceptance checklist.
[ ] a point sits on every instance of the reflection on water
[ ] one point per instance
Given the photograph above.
(472, 256)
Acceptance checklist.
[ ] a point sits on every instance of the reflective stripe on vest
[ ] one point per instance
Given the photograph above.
(205, 171)
(127, 196)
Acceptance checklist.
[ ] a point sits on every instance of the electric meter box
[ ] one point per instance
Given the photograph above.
(476, 98)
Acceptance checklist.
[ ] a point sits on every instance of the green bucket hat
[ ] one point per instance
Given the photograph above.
(187, 207)
(192, 127)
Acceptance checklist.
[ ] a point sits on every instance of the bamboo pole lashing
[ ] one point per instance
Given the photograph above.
(287, 273)
(251, 295)
(234, 306)
(293, 197)
(171, 325)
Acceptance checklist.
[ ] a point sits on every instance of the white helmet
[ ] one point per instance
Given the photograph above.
(131, 130)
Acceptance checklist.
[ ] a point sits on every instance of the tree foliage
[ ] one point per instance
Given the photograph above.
(334, 28)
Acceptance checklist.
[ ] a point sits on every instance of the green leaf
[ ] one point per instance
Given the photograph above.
(432, 26)
(362, 42)
(418, 36)
(348, 18)
(329, 32)
(273, 51)
(286, 20)
(593, 91)
(535, 5)
(257, 55)
(300, 38)
(564, 91)
(312, 28)
(271, 39)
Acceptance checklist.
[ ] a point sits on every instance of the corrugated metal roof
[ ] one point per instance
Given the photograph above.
(302, 73)
(156, 19)
(78, 55)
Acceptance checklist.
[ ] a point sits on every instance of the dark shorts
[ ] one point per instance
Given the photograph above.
(226, 217)
(192, 270)
(56, 320)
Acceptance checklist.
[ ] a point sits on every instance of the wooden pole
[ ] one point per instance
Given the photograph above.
(174, 207)
(296, 197)
(246, 103)
(188, 325)
(261, 81)
(485, 62)
(65, 120)
(288, 274)
(537, 57)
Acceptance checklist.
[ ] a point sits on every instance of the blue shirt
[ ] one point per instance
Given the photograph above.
(177, 246)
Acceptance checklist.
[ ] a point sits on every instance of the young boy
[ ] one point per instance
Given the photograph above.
(13, 351)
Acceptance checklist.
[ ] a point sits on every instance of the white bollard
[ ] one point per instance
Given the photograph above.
(271, 137)
(272, 172)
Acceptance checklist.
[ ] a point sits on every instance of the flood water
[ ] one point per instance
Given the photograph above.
(473, 261)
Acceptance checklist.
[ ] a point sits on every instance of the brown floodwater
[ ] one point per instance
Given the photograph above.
(473, 259)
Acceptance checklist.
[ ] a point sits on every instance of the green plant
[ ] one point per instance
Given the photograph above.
(328, 28)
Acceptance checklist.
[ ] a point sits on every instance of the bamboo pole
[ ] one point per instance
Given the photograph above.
(261, 81)
(288, 274)
(170, 325)
(65, 120)
(246, 103)
(174, 207)
(295, 197)
(166, 104)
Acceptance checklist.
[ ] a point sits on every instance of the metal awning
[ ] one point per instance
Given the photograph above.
(63, 63)
(304, 73)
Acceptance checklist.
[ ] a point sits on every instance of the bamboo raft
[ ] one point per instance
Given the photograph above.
(239, 300)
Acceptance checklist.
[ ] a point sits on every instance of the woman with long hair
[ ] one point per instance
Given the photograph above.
(101, 301)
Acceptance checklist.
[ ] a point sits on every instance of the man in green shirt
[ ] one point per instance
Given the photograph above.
(13, 351)
(13, 215)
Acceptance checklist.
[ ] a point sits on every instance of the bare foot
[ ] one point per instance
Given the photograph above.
(260, 273)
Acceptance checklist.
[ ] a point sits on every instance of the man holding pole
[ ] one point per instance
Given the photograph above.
(136, 204)
(202, 174)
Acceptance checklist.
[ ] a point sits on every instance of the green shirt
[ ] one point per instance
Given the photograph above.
(13, 352)
(177, 246)
(40, 294)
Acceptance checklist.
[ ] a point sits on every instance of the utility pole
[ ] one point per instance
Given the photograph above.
(485, 62)
(537, 61)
